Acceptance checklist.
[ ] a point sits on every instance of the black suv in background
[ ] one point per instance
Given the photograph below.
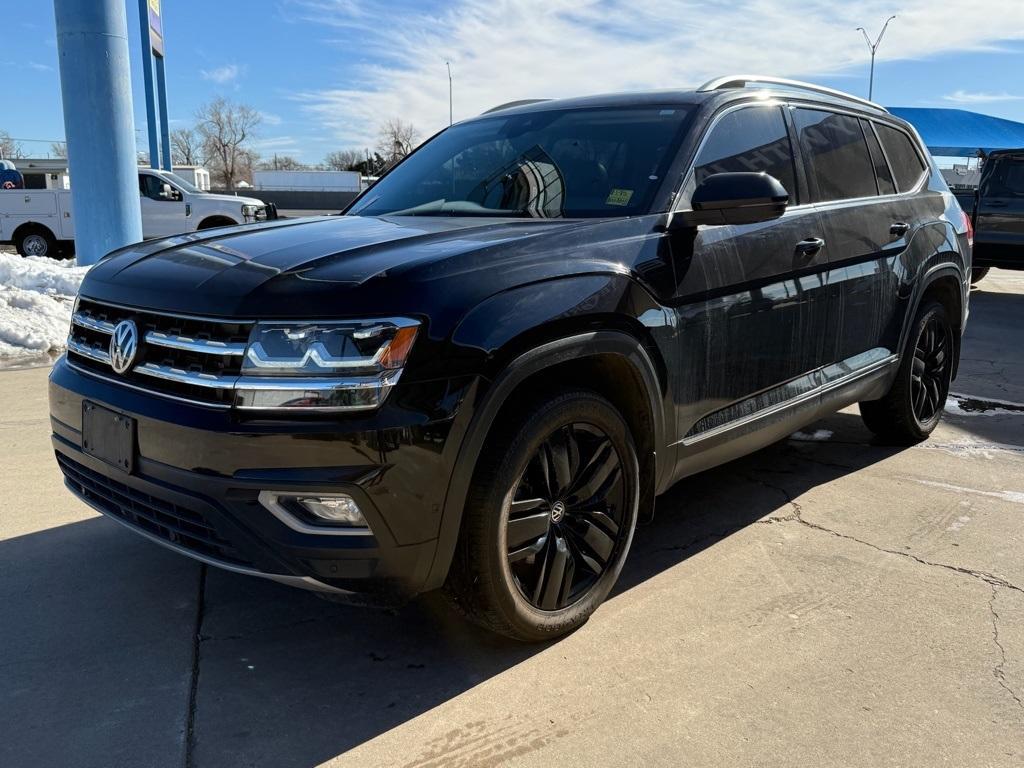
(482, 374)
(997, 212)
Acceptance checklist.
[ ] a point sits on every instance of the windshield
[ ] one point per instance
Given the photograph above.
(548, 164)
(187, 186)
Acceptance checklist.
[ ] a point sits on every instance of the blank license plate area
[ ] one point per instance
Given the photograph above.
(108, 436)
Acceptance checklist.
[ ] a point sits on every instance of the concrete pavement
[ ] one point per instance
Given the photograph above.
(826, 601)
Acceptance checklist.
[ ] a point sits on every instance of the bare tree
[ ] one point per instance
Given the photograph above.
(9, 148)
(396, 139)
(282, 163)
(186, 147)
(344, 160)
(225, 129)
(59, 149)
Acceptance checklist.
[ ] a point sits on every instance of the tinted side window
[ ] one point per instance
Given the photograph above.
(882, 173)
(906, 163)
(836, 154)
(753, 139)
(1007, 179)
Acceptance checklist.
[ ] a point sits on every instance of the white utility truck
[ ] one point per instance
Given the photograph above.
(39, 222)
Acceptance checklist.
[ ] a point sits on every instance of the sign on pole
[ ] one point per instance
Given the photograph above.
(156, 28)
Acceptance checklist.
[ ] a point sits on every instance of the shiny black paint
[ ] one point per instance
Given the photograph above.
(707, 318)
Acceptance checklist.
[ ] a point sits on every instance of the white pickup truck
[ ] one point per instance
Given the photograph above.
(39, 222)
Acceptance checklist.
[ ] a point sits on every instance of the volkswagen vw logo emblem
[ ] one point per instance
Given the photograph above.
(123, 344)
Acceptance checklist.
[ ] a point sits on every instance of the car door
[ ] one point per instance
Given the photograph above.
(1000, 221)
(161, 215)
(866, 230)
(750, 300)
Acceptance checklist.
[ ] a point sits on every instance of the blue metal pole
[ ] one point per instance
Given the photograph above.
(165, 131)
(147, 79)
(92, 46)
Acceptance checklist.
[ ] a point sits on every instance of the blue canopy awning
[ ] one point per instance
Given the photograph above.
(959, 133)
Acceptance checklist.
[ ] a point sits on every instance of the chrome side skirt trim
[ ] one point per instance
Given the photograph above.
(302, 582)
(821, 380)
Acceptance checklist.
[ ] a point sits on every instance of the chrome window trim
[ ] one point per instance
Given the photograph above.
(797, 103)
(269, 500)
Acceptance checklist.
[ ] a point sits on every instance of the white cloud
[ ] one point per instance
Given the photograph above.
(268, 118)
(222, 75)
(275, 144)
(503, 50)
(34, 65)
(980, 97)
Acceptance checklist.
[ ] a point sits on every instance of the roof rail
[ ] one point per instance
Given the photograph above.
(741, 81)
(510, 104)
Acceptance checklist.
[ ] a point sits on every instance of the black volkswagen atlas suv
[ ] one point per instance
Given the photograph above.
(482, 374)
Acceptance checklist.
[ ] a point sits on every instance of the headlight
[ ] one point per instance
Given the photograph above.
(256, 212)
(329, 365)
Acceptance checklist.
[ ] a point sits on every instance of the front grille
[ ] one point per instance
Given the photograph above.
(184, 527)
(194, 358)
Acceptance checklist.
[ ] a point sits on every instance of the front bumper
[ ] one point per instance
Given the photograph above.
(198, 473)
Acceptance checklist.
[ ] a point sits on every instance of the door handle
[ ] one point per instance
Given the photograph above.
(809, 247)
(899, 229)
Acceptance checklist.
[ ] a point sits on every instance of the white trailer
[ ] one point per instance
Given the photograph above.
(41, 222)
(307, 181)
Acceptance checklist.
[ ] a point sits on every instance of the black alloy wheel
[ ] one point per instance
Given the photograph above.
(565, 522)
(929, 375)
(549, 517)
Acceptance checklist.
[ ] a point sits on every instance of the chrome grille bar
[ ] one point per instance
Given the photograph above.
(199, 346)
(168, 373)
(85, 350)
(87, 321)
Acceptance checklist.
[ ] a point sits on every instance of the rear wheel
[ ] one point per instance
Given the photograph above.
(549, 518)
(35, 242)
(912, 408)
(978, 274)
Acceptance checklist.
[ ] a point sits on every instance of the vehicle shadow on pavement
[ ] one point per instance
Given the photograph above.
(276, 676)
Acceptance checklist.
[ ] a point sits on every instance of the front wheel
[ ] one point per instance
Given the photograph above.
(912, 408)
(36, 242)
(549, 518)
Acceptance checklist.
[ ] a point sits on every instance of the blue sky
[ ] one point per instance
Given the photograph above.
(326, 73)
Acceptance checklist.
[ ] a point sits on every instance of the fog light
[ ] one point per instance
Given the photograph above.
(340, 510)
(332, 514)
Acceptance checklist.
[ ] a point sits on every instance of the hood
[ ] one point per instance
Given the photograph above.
(240, 200)
(291, 268)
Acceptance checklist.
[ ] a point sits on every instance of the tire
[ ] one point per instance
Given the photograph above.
(36, 241)
(978, 274)
(912, 408)
(560, 476)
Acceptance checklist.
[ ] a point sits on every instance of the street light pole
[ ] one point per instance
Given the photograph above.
(448, 64)
(874, 50)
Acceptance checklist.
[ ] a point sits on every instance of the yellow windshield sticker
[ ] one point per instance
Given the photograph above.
(619, 197)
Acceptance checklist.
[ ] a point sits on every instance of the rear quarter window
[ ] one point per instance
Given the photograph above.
(907, 165)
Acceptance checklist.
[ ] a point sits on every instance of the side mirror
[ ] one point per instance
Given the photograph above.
(735, 198)
(167, 192)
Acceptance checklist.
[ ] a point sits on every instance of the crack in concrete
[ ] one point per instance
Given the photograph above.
(998, 671)
(797, 516)
(193, 691)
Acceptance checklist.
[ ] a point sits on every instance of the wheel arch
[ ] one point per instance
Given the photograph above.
(217, 220)
(574, 360)
(31, 226)
(946, 284)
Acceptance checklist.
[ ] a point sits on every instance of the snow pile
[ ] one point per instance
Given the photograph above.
(36, 297)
